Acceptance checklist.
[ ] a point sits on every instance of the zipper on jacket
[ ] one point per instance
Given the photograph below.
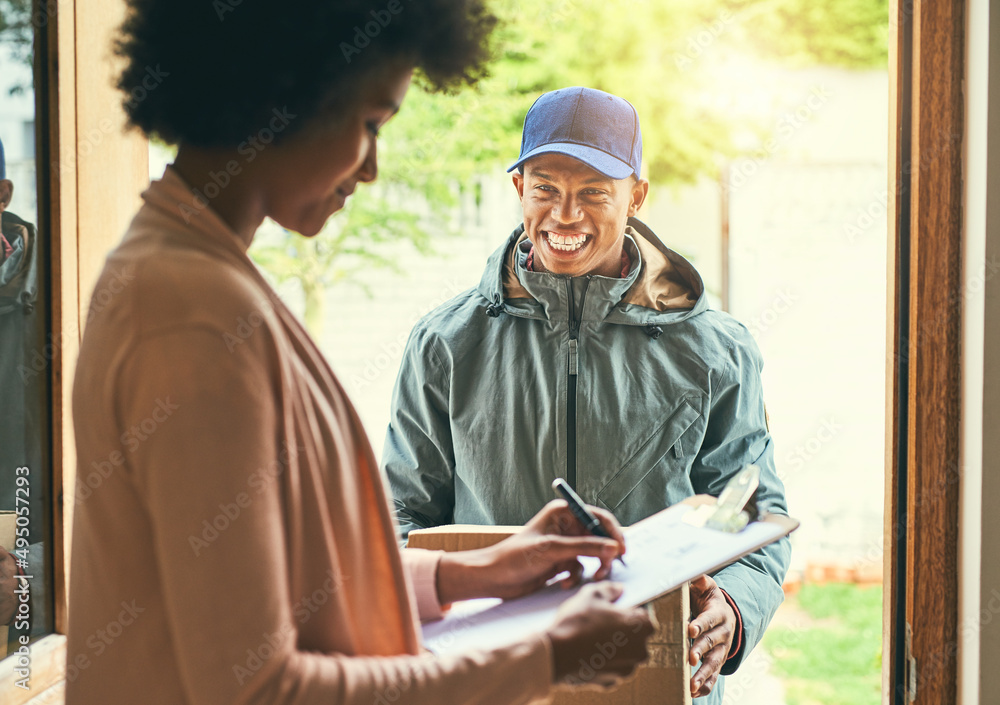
(573, 367)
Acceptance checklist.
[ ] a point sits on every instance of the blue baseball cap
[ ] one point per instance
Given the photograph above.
(599, 129)
(3, 163)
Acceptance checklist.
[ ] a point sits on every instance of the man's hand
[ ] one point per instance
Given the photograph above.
(596, 643)
(549, 544)
(713, 630)
(8, 583)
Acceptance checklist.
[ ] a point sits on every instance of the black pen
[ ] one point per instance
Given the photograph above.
(591, 523)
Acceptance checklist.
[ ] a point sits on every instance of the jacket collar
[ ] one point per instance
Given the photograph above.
(661, 287)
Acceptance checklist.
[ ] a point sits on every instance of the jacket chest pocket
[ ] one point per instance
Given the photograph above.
(666, 439)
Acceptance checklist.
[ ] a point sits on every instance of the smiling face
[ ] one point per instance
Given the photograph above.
(575, 216)
(312, 173)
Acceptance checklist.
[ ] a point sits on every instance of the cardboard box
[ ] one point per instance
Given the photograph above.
(8, 523)
(459, 537)
(664, 680)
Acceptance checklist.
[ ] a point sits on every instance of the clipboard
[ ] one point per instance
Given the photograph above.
(699, 535)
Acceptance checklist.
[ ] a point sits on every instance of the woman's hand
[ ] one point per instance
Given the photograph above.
(596, 643)
(548, 545)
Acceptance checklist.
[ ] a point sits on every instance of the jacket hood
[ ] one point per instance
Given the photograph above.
(661, 288)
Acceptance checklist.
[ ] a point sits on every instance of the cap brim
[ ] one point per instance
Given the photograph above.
(612, 167)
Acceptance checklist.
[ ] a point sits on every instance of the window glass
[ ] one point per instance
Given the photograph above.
(25, 351)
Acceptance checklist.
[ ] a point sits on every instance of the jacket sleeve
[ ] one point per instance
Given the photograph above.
(736, 435)
(225, 424)
(418, 457)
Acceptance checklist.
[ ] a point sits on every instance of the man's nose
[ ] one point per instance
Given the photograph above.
(369, 167)
(566, 210)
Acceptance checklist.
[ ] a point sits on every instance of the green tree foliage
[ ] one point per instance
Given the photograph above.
(847, 33)
(648, 51)
(348, 245)
(626, 47)
(15, 21)
(16, 31)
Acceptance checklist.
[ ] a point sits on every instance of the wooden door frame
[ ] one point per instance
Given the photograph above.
(90, 174)
(91, 192)
(927, 115)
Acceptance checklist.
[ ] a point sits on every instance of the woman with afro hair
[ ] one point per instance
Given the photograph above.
(232, 540)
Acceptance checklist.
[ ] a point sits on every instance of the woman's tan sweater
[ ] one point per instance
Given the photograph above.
(232, 540)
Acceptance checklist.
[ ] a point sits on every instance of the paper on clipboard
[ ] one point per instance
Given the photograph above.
(664, 552)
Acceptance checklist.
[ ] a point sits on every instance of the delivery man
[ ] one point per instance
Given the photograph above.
(589, 352)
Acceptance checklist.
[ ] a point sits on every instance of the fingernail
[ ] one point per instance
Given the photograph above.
(697, 656)
(697, 684)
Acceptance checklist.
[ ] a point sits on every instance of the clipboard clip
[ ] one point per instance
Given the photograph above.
(735, 507)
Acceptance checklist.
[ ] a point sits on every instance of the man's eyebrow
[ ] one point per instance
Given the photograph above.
(591, 180)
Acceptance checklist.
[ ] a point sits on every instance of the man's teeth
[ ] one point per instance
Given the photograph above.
(565, 243)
